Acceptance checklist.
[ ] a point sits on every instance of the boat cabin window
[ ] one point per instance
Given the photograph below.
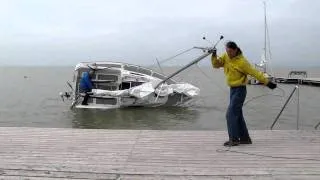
(131, 68)
(124, 85)
(107, 77)
(128, 85)
(133, 84)
(94, 76)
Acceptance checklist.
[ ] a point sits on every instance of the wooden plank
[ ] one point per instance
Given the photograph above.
(204, 177)
(160, 177)
(37, 174)
(44, 153)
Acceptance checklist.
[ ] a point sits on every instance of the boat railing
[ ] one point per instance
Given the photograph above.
(301, 73)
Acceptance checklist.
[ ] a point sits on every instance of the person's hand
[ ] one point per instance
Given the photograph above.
(213, 51)
(271, 85)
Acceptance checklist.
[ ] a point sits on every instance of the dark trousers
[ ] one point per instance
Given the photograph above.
(86, 96)
(85, 99)
(237, 127)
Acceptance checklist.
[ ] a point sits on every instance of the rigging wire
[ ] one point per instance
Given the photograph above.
(172, 57)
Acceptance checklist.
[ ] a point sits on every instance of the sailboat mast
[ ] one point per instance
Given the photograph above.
(265, 36)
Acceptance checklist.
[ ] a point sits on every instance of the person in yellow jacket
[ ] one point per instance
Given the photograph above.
(236, 69)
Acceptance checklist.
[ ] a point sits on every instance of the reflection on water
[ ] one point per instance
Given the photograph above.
(135, 118)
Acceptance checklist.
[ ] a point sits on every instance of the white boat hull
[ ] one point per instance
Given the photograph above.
(119, 87)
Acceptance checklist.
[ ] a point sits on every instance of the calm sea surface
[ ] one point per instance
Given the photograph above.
(33, 101)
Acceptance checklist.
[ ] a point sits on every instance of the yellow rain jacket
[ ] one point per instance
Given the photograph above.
(237, 69)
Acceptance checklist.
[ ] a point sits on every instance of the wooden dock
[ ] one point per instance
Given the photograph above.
(43, 153)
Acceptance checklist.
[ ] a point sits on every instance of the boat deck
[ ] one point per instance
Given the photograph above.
(45, 153)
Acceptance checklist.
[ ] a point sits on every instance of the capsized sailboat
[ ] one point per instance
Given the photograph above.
(123, 85)
(119, 85)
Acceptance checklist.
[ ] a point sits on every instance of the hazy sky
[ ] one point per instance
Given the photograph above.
(65, 32)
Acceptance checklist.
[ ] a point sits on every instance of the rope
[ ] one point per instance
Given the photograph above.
(170, 58)
(263, 95)
(212, 81)
(265, 156)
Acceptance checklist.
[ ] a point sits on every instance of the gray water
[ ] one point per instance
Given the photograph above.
(34, 102)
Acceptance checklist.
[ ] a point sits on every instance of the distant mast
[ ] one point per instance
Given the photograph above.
(265, 37)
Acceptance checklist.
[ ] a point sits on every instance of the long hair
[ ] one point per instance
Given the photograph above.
(233, 45)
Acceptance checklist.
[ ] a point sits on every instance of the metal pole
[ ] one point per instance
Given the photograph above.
(298, 107)
(284, 106)
(159, 93)
(316, 127)
(265, 37)
(185, 67)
